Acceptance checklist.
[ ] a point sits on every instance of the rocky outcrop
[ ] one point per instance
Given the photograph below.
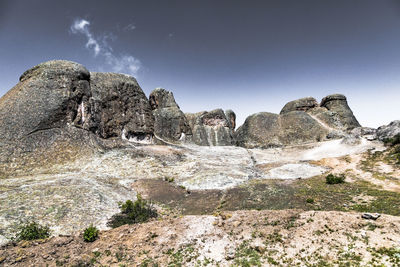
(231, 117)
(270, 130)
(388, 131)
(337, 103)
(170, 122)
(46, 117)
(300, 121)
(49, 95)
(59, 112)
(212, 128)
(119, 107)
(302, 104)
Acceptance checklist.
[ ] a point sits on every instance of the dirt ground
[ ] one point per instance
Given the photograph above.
(240, 238)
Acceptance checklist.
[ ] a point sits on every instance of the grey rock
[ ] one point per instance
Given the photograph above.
(351, 140)
(231, 117)
(338, 103)
(170, 122)
(269, 130)
(46, 117)
(366, 132)
(388, 131)
(119, 107)
(370, 216)
(302, 104)
(327, 118)
(49, 95)
(211, 128)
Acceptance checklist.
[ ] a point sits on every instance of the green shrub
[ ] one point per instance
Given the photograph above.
(90, 234)
(31, 231)
(310, 200)
(395, 140)
(333, 179)
(133, 212)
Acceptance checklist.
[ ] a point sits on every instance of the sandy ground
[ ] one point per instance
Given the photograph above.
(283, 238)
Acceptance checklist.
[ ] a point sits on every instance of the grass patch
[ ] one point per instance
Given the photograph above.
(32, 231)
(333, 179)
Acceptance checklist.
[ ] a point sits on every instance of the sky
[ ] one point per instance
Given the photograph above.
(249, 56)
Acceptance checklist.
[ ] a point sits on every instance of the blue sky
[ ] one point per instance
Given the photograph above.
(249, 56)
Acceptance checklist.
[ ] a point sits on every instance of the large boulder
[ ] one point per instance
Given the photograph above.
(388, 131)
(49, 95)
(302, 104)
(212, 128)
(46, 116)
(337, 103)
(170, 122)
(270, 130)
(119, 107)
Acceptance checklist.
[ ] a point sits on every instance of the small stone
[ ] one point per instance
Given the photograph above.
(370, 216)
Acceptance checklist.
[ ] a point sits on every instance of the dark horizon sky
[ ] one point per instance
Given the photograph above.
(249, 56)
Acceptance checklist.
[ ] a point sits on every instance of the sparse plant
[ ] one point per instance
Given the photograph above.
(333, 179)
(90, 234)
(310, 200)
(133, 212)
(32, 231)
(395, 140)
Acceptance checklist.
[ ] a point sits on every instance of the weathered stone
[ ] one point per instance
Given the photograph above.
(338, 103)
(170, 122)
(269, 130)
(388, 131)
(49, 95)
(327, 118)
(259, 130)
(119, 107)
(211, 128)
(302, 104)
(231, 116)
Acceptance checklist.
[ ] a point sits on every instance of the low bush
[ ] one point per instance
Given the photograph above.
(133, 212)
(333, 179)
(395, 140)
(32, 231)
(90, 234)
(310, 200)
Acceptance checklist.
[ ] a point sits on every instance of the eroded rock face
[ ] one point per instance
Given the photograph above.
(170, 122)
(338, 103)
(388, 131)
(302, 104)
(45, 117)
(49, 95)
(270, 130)
(212, 128)
(231, 116)
(119, 107)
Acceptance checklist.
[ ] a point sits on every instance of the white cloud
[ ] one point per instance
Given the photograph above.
(116, 63)
(130, 27)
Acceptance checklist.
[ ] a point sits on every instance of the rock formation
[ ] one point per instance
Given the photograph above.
(302, 104)
(212, 128)
(59, 103)
(300, 121)
(338, 104)
(270, 130)
(48, 110)
(170, 122)
(388, 131)
(119, 107)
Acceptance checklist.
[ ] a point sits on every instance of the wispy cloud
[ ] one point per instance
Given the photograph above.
(101, 49)
(130, 27)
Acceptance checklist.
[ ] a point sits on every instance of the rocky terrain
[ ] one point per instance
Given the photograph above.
(76, 143)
